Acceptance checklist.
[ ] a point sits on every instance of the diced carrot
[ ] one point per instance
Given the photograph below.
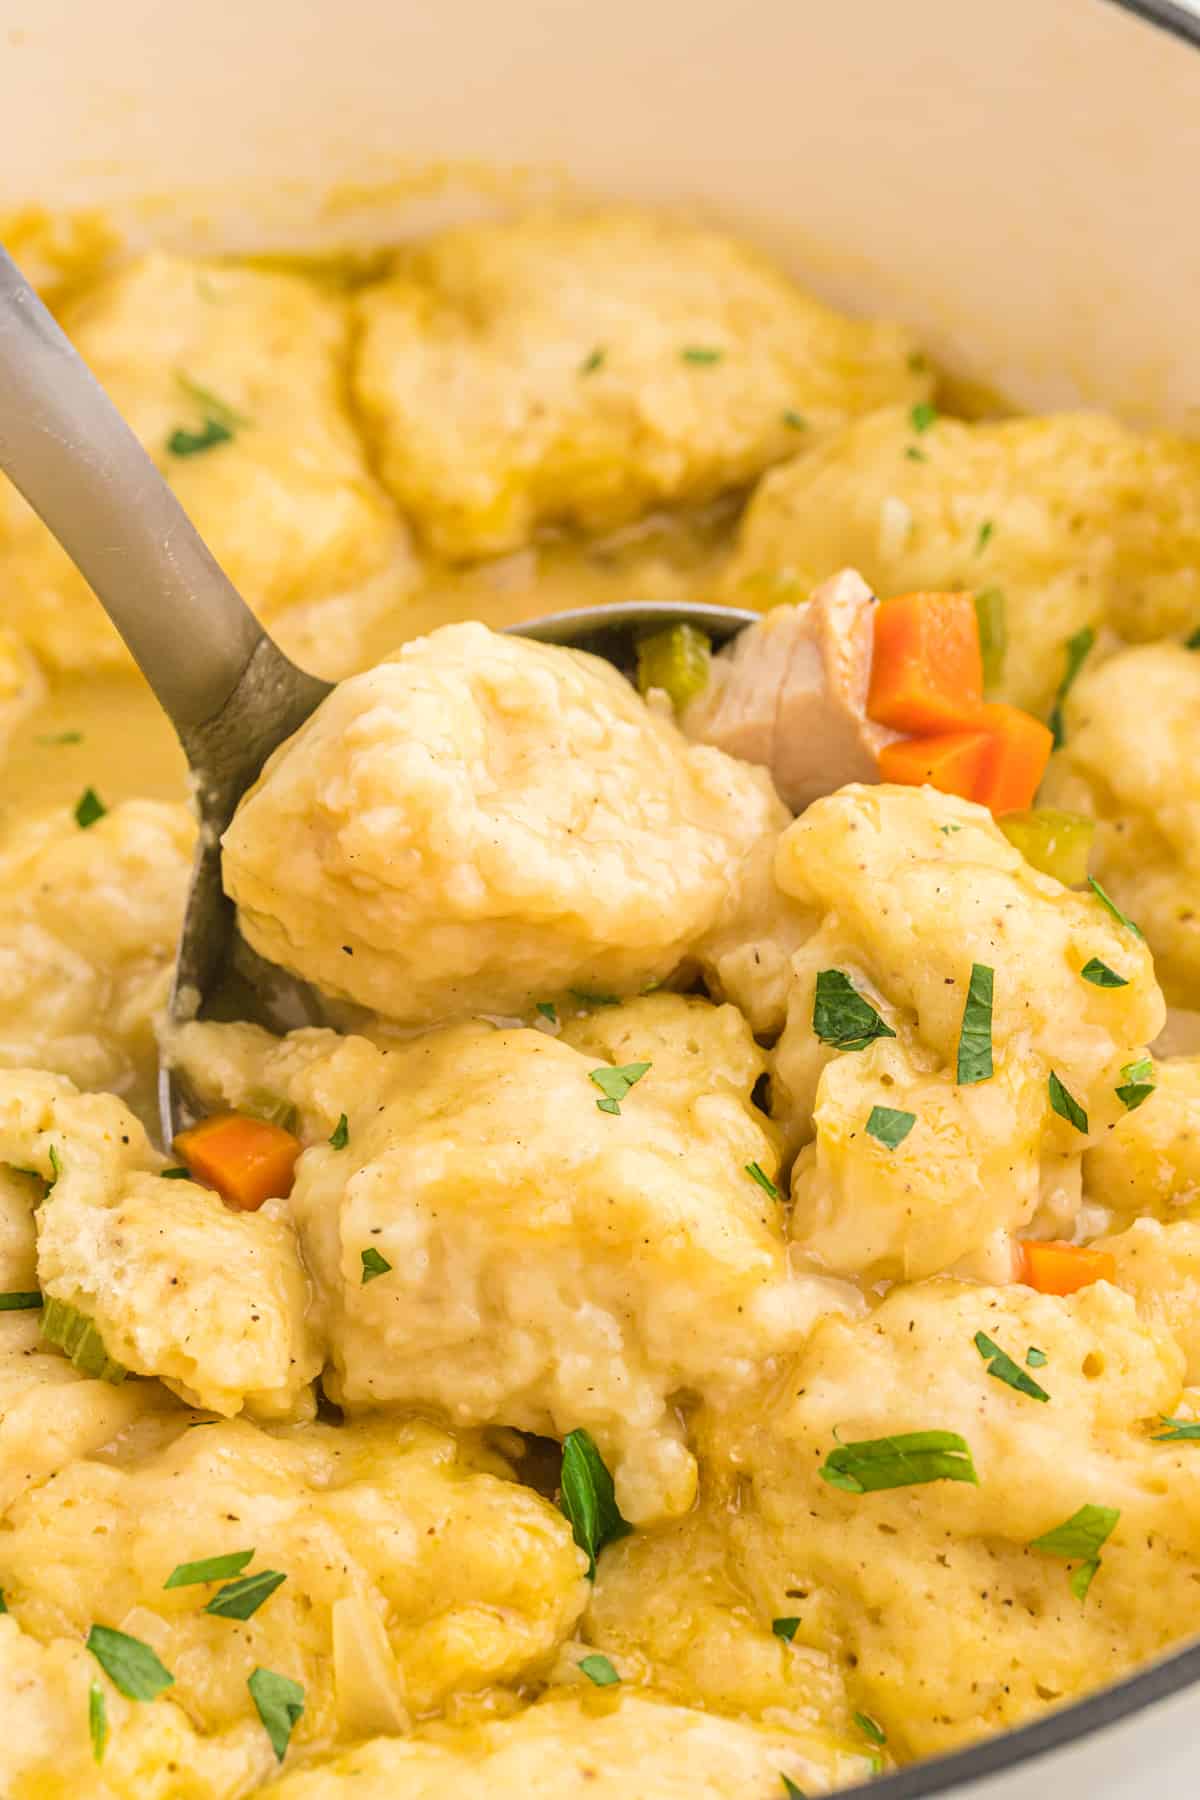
(1064, 1268)
(927, 669)
(952, 763)
(1013, 768)
(247, 1160)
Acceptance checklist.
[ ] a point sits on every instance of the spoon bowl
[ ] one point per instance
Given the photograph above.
(228, 689)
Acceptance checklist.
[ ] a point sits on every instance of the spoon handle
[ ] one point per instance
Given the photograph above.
(65, 446)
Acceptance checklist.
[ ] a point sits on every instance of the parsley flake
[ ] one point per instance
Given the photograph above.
(871, 1728)
(908, 1460)
(701, 354)
(794, 420)
(1002, 1366)
(1066, 1105)
(790, 1788)
(97, 1720)
(986, 532)
(615, 1083)
(991, 616)
(599, 1670)
(1035, 1358)
(587, 1497)
(594, 361)
(373, 1266)
(3, 1602)
(1138, 1084)
(975, 1036)
(339, 1137)
(1100, 975)
(1178, 1431)
(548, 1011)
(922, 416)
(1078, 649)
(915, 455)
(88, 808)
(179, 1173)
(242, 1599)
(841, 1016)
(785, 1628)
(1192, 642)
(130, 1665)
(279, 1703)
(28, 1301)
(209, 1568)
(1080, 1537)
(889, 1126)
(1112, 907)
(193, 443)
(60, 737)
(757, 1173)
(586, 999)
(56, 1167)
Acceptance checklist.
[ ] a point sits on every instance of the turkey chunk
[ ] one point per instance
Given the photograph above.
(177, 1285)
(576, 1749)
(88, 923)
(913, 888)
(414, 1567)
(285, 498)
(484, 823)
(1075, 519)
(584, 370)
(502, 1239)
(1132, 760)
(791, 694)
(948, 1619)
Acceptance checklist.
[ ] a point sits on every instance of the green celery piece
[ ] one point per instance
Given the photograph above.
(76, 1336)
(1053, 842)
(677, 660)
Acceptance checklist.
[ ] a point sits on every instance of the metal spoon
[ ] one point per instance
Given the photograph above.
(227, 688)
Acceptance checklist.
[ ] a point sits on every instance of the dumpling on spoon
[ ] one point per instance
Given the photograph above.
(483, 823)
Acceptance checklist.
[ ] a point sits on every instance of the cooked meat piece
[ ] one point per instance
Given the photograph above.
(791, 694)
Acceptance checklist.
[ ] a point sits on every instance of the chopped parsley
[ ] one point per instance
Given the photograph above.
(587, 1497)
(915, 455)
(985, 534)
(373, 1265)
(948, 830)
(975, 1037)
(790, 1788)
(701, 354)
(1100, 975)
(1192, 642)
(1066, 1105)
(1178, 1430)
(279, 1703)
(908, 1460)
(1112, 907)
(130, 1665)
(794, 420)
(56, 1167)
(60, 737)
(922, 416)
(1138, 1084)
(1035, 1358)
(841, 1017)
(179, 1173)
(548, 1011)
(1078, 649)
(28, 1301)
(242, 1599)
(339, 1137)
(97, 1720)
(192, 443)
(88, 808)
(594, 361)
(889, 1126)
(209, 1568)
(1002, 1366)
(586, 999)
(615, 1083)
(599, 1670)
(3, 1602)
(871, 1729)
(1080, 1538)
(785, 1628)
(757, 1173)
